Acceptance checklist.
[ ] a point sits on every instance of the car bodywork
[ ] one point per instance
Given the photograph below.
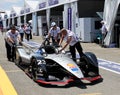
(44, 64)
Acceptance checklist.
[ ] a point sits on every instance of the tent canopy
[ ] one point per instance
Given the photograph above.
(109, 16)
(32, 4)
(16, 10)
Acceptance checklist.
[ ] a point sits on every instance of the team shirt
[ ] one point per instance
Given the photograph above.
(21, 30)
(12, 36)
(74, 38)
(27, 30)
(54, 33)
(104, 30)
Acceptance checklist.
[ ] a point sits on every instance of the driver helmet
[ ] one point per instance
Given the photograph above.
(53, 24)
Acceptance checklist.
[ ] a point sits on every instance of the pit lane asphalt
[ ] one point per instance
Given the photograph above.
(25, 86)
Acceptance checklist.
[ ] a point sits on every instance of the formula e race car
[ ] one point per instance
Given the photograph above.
(44, 64)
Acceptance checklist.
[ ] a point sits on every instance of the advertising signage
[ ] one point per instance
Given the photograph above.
(10, 15)
(22, 12)
(42, 5)
(14, 14)
(53, 2)
(27, 10)
(5, 16)
(69, 18)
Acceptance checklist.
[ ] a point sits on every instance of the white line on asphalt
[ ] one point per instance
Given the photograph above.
(109, 65)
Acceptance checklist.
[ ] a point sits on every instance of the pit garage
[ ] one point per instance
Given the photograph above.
(89, 21)
(45, 18)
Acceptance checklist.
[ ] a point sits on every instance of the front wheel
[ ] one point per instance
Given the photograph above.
(88, 68)
(33, 68)
(38, 71)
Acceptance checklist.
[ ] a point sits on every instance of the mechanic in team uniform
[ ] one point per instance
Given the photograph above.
(103, 31)
(12, 37)
(21, 31)
(27, 32)
(72, 40)
(54, 33)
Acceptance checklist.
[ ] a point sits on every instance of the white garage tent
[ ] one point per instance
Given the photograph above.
(109, 16)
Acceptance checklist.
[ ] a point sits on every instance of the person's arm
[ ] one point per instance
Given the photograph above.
(58, 32)
(49, 34)
(10, 40)
(67, 43)
(61, 40)
(19, 38)
(56, 38)
(57, 35)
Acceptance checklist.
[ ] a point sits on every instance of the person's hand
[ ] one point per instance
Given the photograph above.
(60, 51)
(60, 45)
(47, 37)
(13, 44)
(20, 43)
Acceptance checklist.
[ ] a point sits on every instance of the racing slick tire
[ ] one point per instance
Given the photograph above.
(32, 69)
(88, 67)
(37, 70)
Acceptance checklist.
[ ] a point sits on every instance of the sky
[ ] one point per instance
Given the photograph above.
(7, 4)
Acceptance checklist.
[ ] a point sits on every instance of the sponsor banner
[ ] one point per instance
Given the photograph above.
(53, 2)
(10, 15)
(27, 10)
(69, 18)
(14, 14)
(42, 5)
(22, 12)
(72, 67)
(5, 16)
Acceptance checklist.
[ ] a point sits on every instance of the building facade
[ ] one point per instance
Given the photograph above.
(79, 16)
